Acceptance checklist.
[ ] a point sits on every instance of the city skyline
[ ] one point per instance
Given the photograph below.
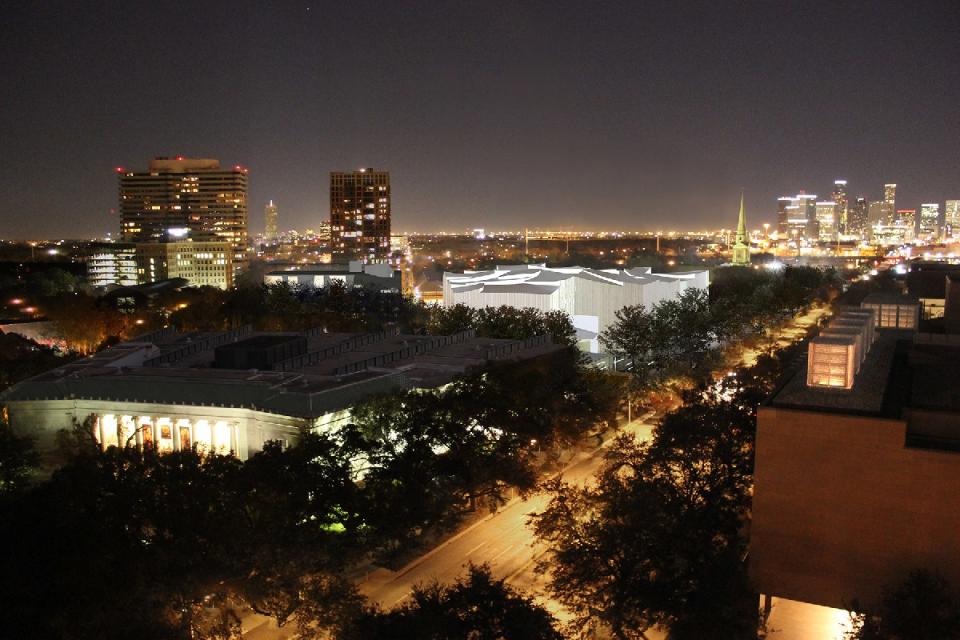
(616, 116)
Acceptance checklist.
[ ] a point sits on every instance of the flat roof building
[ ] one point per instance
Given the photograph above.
(235, 390)
(379, 276)
(591, 297)
(856, 475)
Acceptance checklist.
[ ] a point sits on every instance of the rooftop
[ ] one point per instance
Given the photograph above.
(538, 278)
(337, 370)
(869, 387)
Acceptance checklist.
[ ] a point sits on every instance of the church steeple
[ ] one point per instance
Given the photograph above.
(741, 246)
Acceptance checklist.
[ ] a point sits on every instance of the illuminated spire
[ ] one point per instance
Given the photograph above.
(741, 246)
(742, 224)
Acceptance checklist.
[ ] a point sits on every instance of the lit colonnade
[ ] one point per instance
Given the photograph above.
(231, 392)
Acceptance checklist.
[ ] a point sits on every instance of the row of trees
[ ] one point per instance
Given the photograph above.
(685, 336)
(284, 308)
(129, 543)
(658, 540)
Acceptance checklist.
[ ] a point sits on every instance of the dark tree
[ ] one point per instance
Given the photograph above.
(478, 607)
(922, 607)
(657, 542)
(18, 461)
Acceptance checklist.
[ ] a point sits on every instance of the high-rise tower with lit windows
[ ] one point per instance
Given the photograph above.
(178, 199)
(839, 197)
(360, 215)
(270, 221)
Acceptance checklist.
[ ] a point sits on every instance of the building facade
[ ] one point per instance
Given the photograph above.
(591, 297)
(827, 221)
(270, 221)
(114, 264)
(360, 215)
(201, 264)
(179, 199)
(380, 277)
(857, 460)
(890, 195)
(857, 221)
(929, 223)
(841, 210)
(797, 217)
(233, 391)
(951, 219)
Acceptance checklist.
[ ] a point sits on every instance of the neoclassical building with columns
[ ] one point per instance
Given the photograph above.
(233, 391)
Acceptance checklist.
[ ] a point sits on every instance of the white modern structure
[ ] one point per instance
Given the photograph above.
(591, 297)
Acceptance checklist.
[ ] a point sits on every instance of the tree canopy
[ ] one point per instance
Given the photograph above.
(478, 606)
(921, 607)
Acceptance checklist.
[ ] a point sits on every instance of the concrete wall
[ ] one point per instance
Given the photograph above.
(841, 507)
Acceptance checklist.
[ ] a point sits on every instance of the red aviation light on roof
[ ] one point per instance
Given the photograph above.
(119, 169)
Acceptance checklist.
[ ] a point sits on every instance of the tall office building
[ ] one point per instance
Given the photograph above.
(951, 219)
(841, 209)
(890, 195)
(360, 215)
(857, 218)
(880, 212)
(270, 221)
(178, 199)
(798, 214)
(906, 219)
(929, 222)
(827, 221)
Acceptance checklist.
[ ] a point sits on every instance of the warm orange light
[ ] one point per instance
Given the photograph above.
(16, 301)
(139, 322)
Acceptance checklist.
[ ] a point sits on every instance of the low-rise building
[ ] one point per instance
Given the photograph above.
(591, 297)
(113, 264)
(235, 390)
(379, 276)
(202, 264)
(857, 472)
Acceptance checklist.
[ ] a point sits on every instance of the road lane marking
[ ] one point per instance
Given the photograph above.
(494, 558)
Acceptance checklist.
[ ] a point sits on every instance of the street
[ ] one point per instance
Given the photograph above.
(503, 540)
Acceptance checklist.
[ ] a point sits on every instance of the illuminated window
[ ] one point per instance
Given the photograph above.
(164, 430)
(145, 427)
(184, 434)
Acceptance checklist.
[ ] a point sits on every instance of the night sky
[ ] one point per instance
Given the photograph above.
(488, 114)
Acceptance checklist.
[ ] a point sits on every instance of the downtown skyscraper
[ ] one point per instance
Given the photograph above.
(841, 203)
(360, 215)
(270, 221)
